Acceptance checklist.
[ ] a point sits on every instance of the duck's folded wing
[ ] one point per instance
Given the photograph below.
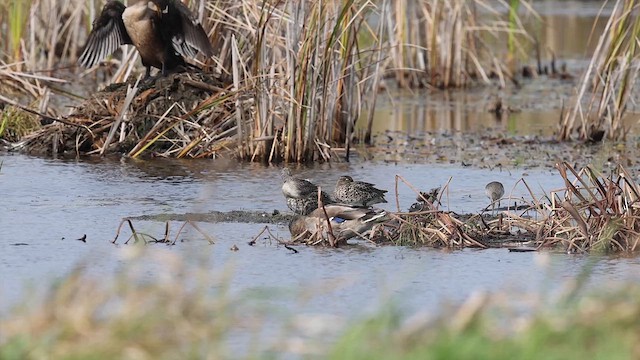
(107, 35)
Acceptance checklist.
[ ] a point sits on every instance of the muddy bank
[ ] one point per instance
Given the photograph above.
(482, 231)
(494, 149)
(236, 216)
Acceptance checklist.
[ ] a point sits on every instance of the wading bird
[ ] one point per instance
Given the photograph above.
(494, 191)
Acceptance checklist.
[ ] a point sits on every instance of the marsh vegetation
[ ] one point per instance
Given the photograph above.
(295, 77)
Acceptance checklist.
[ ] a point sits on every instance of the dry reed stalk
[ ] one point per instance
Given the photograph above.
(606, 87)
(594, 213)
(442, 43)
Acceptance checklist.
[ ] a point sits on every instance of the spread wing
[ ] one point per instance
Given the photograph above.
(107, 35)
(187, 33)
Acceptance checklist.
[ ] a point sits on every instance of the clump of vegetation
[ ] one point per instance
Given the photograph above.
(15, 124)
(607, 87)
(593, 213)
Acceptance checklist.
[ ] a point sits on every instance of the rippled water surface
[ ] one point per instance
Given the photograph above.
(48, 204)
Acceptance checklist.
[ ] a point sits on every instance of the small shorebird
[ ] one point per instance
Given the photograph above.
(301, 194)
(163, 32)
(346, 222)
(357, 193)
(494, 191)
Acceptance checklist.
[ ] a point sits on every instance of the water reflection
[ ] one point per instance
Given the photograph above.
(565, 29)
(532, 109)
(567, 25)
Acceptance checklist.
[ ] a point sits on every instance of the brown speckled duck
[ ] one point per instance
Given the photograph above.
(301, 194)
(357, 193)
(163, 31)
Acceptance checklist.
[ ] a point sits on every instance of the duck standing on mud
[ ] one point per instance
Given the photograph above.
(301, 194)
(357, 193)
(163, 31)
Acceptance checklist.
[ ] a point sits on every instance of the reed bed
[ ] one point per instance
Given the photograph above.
(592, 213)
(309, 68)
(448, 44)
(605, 92)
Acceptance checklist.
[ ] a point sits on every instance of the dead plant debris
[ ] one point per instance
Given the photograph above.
(183, 115)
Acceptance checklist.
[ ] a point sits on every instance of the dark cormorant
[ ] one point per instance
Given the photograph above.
(163, 31)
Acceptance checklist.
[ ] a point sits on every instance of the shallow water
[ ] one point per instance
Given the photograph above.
(48, 204)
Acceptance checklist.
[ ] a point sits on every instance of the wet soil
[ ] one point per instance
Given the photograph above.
(234, 216)
(493, 149)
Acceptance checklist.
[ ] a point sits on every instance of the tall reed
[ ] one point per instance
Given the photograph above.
(446, 43)
(606, 88)
(307, 70)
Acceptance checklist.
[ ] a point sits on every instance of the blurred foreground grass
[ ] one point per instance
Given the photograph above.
(186, 312)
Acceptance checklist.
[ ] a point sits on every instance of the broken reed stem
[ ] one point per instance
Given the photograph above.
(332, 239)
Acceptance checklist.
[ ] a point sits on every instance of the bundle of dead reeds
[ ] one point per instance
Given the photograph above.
(593, 213)
(447, 44)
(607, 86)
(184, 115)
(426, 224)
